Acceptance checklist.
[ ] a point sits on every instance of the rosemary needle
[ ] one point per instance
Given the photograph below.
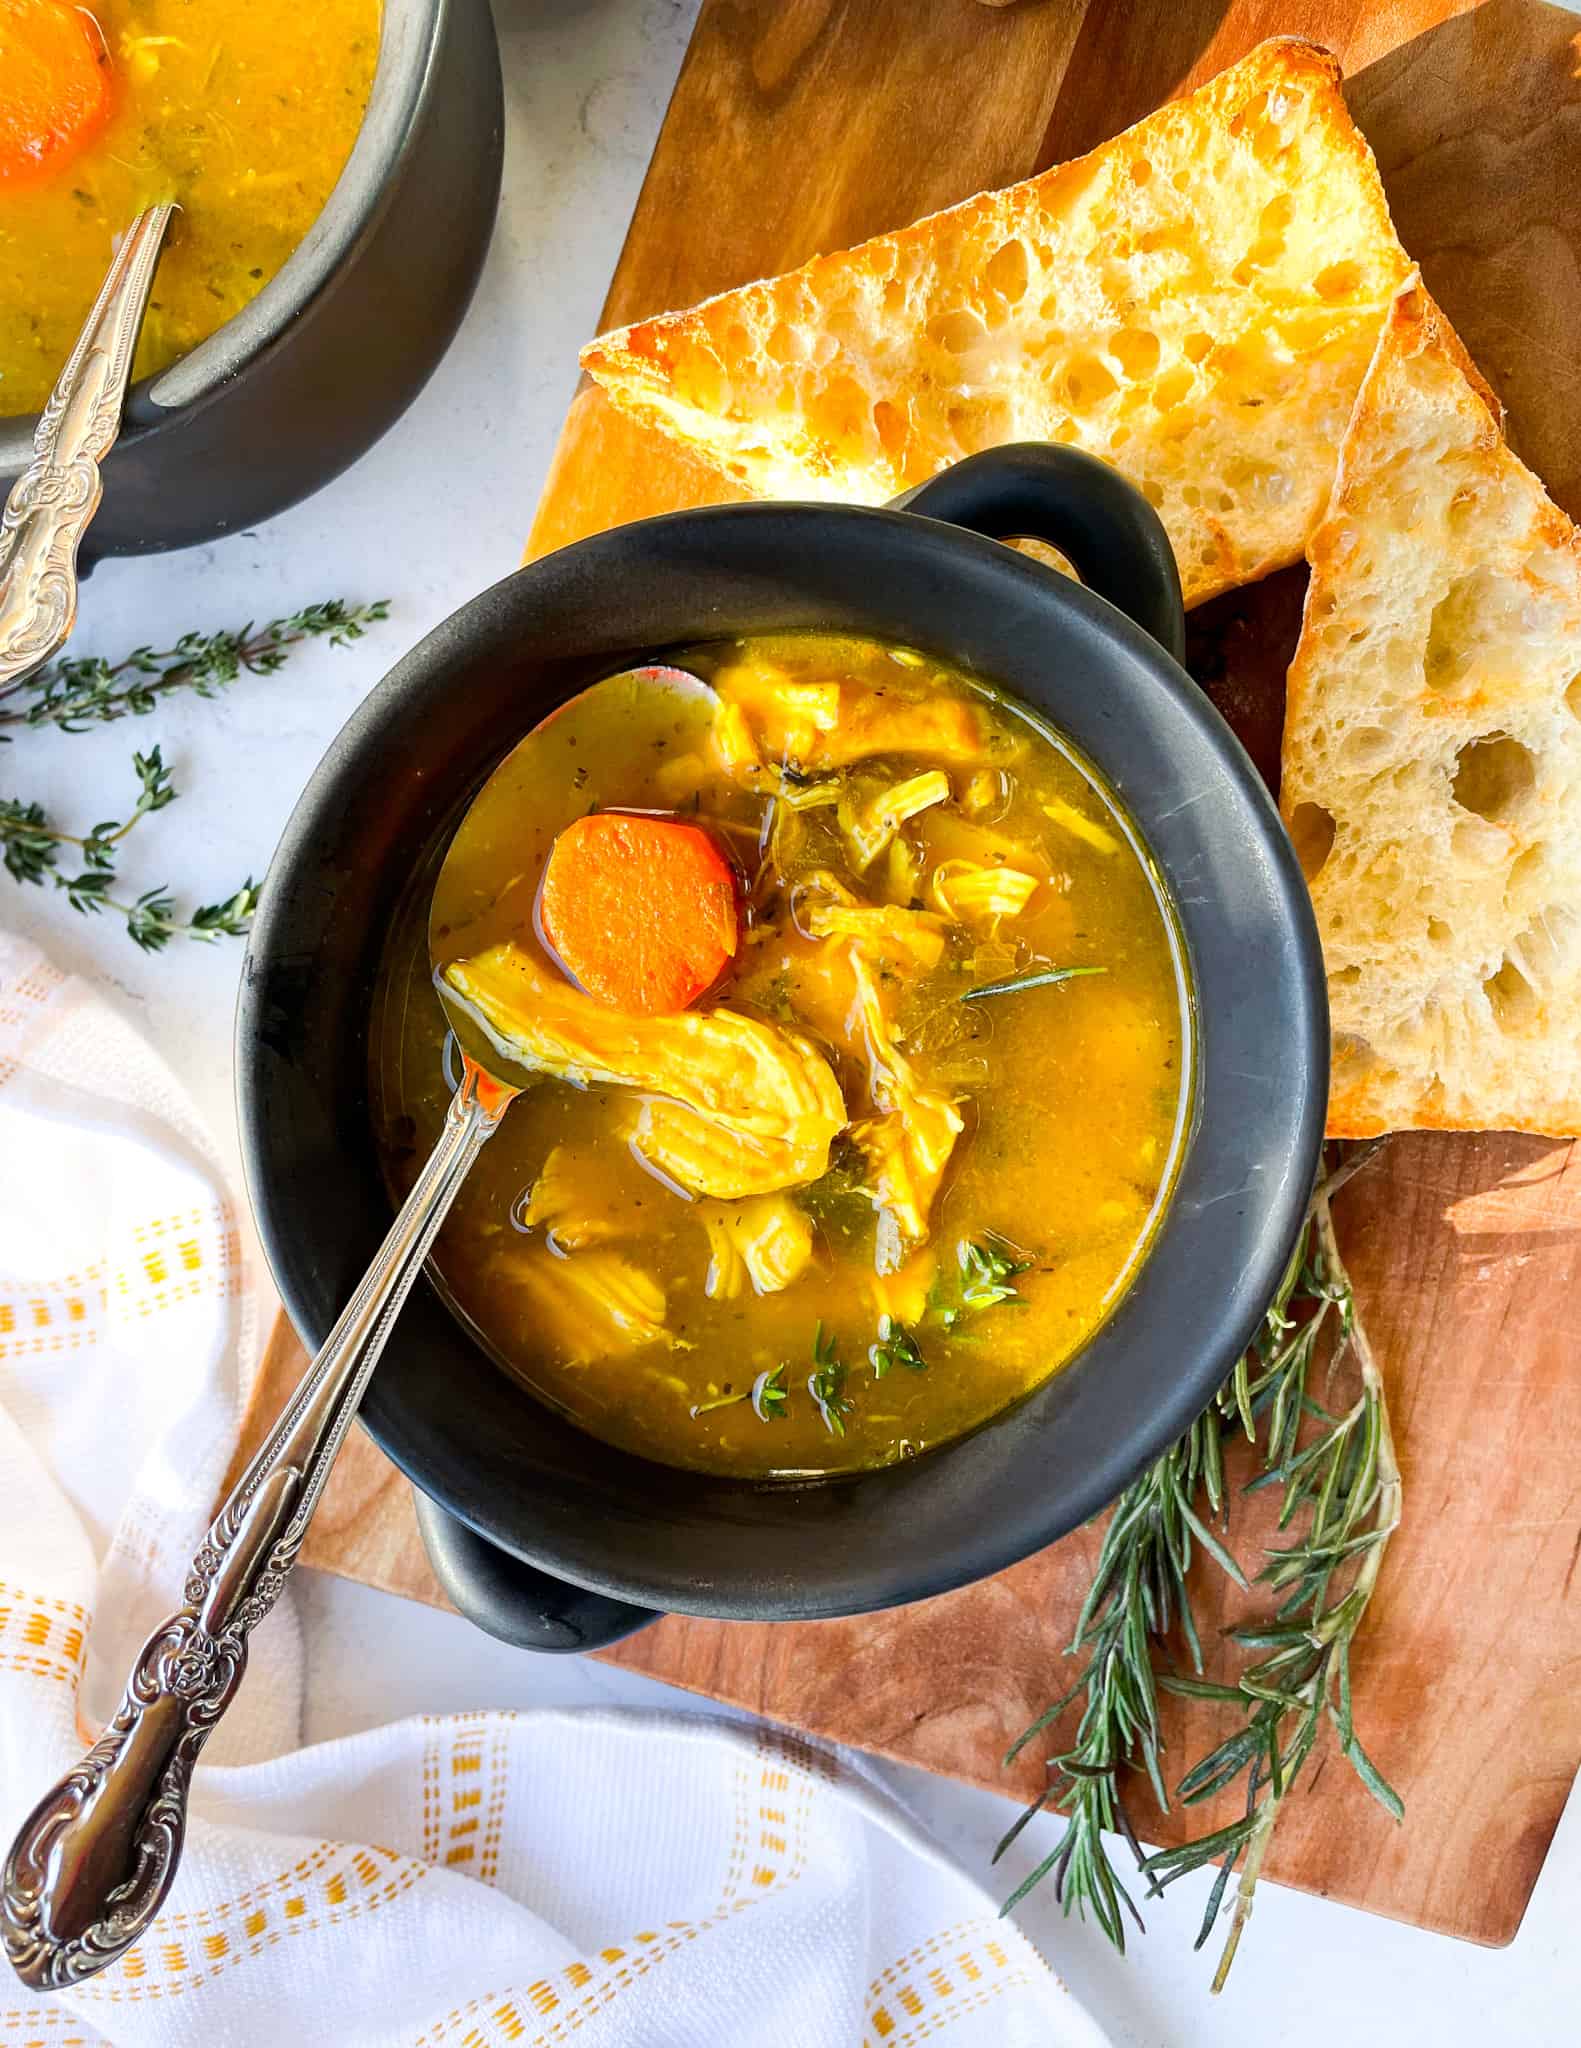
(1040, 977)
(1338, 1475)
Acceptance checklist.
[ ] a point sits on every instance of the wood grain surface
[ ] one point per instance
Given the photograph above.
(802, 125)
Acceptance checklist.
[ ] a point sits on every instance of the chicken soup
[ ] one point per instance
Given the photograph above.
(864, 1044)
(243, 115)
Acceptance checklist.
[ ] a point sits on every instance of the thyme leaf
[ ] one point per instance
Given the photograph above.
(895, 1346)
(826, 1384)
(988, 1267)
(768, 1394)
(81, 692)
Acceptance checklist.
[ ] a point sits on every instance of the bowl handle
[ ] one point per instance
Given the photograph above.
(1107, 529)
(515, 1601)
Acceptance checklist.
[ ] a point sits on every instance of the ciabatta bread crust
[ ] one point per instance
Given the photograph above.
(1432, 759)
(1195, 302)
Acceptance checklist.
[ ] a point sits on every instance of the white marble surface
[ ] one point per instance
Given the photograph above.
(429, 517)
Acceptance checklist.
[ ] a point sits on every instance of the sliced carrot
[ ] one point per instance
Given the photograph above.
(55, 85)
(642, 911)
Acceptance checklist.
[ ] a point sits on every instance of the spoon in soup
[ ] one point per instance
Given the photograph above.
(55, 497)
(93, 1862)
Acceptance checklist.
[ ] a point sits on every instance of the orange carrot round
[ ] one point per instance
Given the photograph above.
(55, 85)
(641, 910)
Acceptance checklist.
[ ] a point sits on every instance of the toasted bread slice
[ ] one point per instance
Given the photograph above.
(1195, 302)
(1432, 759)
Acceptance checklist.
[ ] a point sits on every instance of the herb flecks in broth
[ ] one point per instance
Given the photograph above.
(243, 115)
(898, 1163)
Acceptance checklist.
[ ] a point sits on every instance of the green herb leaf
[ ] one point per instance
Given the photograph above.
(895, 1346)
(1040, 977)
(84, 691)
(88, 690)
(768, 1394)
(988, 1265)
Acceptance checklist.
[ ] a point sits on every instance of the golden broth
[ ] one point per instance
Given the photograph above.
(1069, 1095)
(244, 114)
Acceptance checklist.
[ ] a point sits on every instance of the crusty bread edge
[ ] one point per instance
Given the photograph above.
(623, 360)
(1414, 322)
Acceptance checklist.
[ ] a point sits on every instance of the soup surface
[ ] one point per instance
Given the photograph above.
(244, 114)
(860, 1195)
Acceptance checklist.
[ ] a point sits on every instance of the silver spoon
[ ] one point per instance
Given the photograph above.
(92, 1863)
(55, 497)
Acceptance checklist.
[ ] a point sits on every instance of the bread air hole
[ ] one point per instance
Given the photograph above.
(1573, 697)
(1493, 776)
(1174, 386)
(1088, 382)
(1135, 349)
(1338, 281)
(1475, 610)
(1517, 1007)
(1312, 830)
(1006, 270)
(958, 330)
(890, 426)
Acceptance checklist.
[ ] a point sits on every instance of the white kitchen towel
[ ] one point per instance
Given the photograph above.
(470, 1880)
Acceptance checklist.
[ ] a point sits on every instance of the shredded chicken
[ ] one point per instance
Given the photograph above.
(907, 1146)
(827, 909)
(706, 1159)
(1081, 827)
(869, 827)
(971, 893)
(767, 1242)
(767, 719)
(752, 1079)
(571, 1200)
(595, 1305)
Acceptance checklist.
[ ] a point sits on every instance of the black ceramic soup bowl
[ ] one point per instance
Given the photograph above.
(542, 1533)
(339, 342)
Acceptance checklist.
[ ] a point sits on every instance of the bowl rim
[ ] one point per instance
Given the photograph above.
(410, 36)
(865, 1584)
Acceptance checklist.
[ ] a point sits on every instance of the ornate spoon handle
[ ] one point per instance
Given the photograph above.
(54, 498)
(94, 1859)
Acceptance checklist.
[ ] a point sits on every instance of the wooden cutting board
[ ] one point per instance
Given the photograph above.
(802, 125)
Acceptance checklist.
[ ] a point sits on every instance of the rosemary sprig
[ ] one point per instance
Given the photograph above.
(1345, 1484)
(32, 848)
(1038, 977)
(88, 690)
(1138, 1592)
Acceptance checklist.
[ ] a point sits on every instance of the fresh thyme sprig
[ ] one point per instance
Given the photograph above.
(32, 849)
(84, 691)
(895, 1346)
(1345, 1483)
(826, 1383)
(87, 690)
(988, 1266)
